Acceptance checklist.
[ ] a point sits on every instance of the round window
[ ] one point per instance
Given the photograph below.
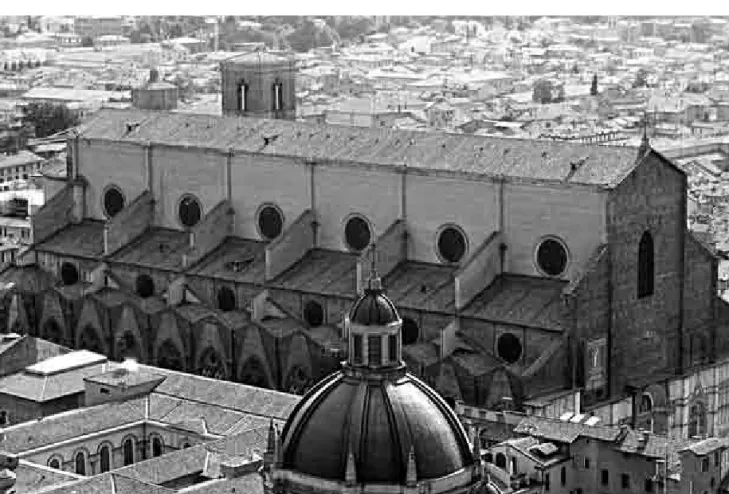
(270, 222)
(145, 286)
(113, 201)
(189, 211)
(509, 348)
(410, 331)
(552, 257)
(69, 274)
(451, 244)
(226, 299)
(357, 233)
(313, 314)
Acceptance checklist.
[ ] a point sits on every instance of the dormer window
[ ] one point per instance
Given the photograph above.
(277, 96)
(243, 96)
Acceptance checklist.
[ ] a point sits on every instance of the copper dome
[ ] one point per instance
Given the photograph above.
(373, 309)
(378, 421)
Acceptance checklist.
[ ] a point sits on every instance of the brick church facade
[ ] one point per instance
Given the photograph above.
(231, 246)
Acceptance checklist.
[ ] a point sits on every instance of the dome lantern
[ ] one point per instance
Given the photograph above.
(373, 328)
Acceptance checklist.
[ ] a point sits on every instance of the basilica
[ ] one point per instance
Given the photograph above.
(234, 245)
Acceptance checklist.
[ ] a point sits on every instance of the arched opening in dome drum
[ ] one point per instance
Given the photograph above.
(104, 458)
(252, 373)
(55, 463)
(189, 211)
(89, 340)
(169, 356)
(80, 463)
(69, 274)
(552, 257)
(451, 244)
(128, 348)
(144, 286)
(270, 222)
(113, 201)
(509, 348)
(156, 446)
(313, 314)
(357, 233)
(226, 299)
(211, 365)
(53, 332)
(501, 460)
(128, 447)
(410, 331)
(488, 458)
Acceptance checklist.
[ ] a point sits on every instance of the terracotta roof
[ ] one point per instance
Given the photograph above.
(234, 259)
(21, 158)
(422, 286)
(160, 248)
(168, 467)
(83, 239)
(520, 300)
(431, 151)
(322, 271)
(40, 388)
(29, 278)
(107, 483)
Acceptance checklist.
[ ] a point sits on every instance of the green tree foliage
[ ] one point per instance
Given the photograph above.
(308, 36)
(593, 87)
(353, 28)
(545, 91)
(48, 118)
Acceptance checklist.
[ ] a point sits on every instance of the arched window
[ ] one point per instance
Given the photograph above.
(226, 299)
(697, 420)
(145, 286)
(80, 463)
(4, 420)
(488, 458)
(169, 357)
(646, 403)
(514, 470)
(410, 331)
(252, 373)
(646, 267)
(69, 274)
(54, 463)
(242, 96)
(313, 313)
(501, 460)
(156, 446)
(128, 448)
(104, 458)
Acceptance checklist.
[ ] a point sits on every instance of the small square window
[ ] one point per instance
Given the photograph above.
(587, 463)
(625, 481)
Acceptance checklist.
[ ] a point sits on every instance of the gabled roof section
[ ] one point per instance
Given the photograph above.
(545, 161)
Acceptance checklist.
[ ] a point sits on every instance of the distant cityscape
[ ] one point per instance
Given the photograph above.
(364, 254)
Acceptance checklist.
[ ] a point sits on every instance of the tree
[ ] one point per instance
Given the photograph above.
(593, 87)
(49, 118)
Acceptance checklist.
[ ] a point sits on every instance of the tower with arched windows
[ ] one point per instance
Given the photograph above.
(259, 84)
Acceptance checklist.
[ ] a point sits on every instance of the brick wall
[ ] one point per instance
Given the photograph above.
(54, 215)
(104, 163)
(130, 222)
(211, 231)
(479, 271)
(291, 246)
(588, 311)
(391, 249)
(699, 296)
(646, 332)
(259, 80)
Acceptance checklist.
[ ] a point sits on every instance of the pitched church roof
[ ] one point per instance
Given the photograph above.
(545, 161)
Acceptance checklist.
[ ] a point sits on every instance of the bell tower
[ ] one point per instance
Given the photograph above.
(259, 84)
